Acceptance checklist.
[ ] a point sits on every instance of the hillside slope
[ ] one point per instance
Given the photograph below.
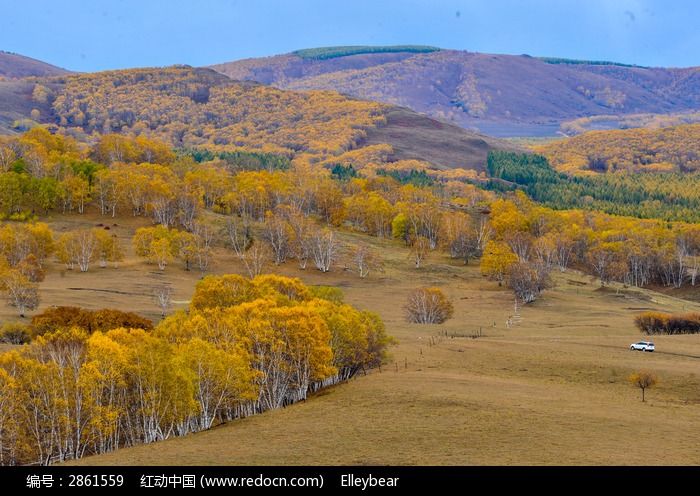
(18, 101)
(13, 65)
(446, 146)
(501, 95)
(195, 107)
(669, 149)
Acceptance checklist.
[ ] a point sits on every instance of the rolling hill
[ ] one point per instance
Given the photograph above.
(667, 149)
(414, 136)
(13, 65)
(500, 95)
(196, 107)
(16, 102)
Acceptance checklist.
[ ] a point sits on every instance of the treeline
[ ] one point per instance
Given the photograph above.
(278, 215)
(123, 180)
(244, 347)
(666, 323)
(529, 240)
(42, 172)
(560, 60)
(674, 197)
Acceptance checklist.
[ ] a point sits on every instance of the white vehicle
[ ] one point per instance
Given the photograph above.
(642, 346)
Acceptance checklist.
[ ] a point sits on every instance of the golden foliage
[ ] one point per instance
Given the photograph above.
(79, 389)
(669, 149)
(194, 107)
(428, 306)
(497, 260)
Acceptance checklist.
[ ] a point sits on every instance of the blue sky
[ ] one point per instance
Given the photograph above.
(93, 35)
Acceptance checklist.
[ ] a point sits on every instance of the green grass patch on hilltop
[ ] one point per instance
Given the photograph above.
(324, 53)
(560, 60)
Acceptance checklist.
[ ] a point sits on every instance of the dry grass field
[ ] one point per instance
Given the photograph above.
(550, 390)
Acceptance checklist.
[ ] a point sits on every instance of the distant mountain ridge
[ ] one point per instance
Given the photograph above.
(501, 95)
(13, 65)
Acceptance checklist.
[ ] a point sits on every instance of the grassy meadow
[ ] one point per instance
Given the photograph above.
(551, 389)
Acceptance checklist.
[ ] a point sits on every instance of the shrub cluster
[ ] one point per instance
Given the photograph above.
(14, 333)
(90, 320)
(666, 323)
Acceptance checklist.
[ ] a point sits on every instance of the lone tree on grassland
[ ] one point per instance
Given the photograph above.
(163, 296)
(21, 292)
(419, 250)
(643, 380)
(528, 280)
(366, 260)
(428, 306)
(324, 249)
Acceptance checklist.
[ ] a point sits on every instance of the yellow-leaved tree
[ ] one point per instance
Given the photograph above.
(497, 260)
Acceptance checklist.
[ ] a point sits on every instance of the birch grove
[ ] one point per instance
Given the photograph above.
(244, 347)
